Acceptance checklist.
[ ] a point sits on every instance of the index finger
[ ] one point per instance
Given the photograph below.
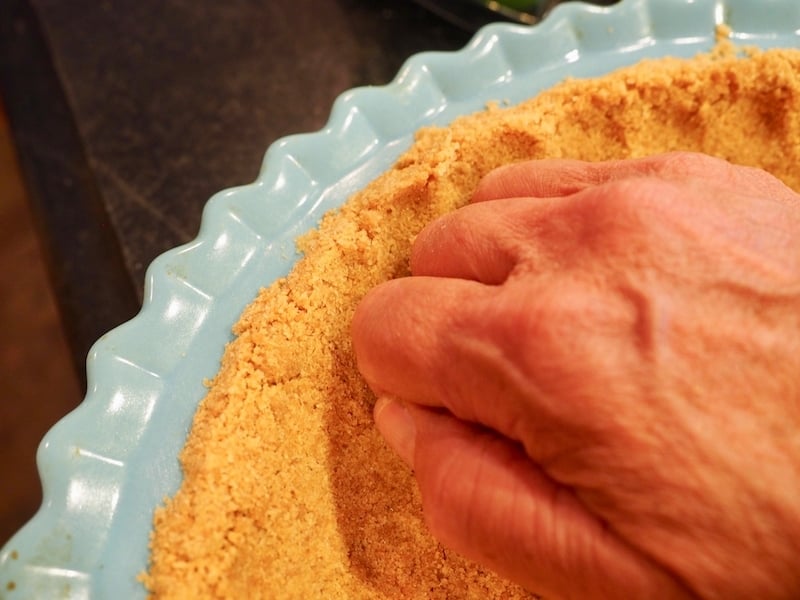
(413, 341)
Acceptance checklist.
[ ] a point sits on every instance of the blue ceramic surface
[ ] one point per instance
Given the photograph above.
(107, 465)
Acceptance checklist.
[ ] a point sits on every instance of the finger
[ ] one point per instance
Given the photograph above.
(487, 241)
(485, 499)
(482, 242)
(402, 331)
(559, 177)
(540, 179)
(396, 425)
(413, 341)
(488, 358)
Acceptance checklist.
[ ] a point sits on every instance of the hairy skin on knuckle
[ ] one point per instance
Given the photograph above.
(719, 172)
(473, 374)
(679, 165)
(550, 334)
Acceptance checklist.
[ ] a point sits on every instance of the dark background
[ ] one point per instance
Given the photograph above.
(39, 383)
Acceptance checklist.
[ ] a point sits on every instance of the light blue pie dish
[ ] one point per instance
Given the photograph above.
(107, 465)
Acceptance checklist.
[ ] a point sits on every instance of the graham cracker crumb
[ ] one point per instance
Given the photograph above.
(288, 490)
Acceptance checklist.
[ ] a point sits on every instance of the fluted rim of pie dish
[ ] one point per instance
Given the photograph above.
(107, 465)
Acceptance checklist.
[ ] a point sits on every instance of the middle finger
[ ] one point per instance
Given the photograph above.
(480, 242)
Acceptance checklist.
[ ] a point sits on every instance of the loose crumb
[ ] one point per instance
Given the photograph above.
(288, 490)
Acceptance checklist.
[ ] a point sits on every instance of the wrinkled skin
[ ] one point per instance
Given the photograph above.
(595, 374)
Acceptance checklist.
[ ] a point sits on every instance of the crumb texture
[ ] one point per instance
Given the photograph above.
(288, 490)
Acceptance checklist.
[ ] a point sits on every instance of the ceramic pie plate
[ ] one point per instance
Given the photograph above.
(107, 465)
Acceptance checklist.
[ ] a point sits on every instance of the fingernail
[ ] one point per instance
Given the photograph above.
(397, 427)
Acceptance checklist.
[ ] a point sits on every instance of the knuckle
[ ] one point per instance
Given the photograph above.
(564, 335)
(553, 317)
(682, 165)
(628, 205)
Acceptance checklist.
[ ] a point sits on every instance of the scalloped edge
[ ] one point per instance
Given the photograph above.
(89, 484)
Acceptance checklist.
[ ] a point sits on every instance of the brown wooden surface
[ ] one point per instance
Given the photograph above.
(38, 384)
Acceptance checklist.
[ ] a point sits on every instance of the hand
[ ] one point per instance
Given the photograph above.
(595, 375)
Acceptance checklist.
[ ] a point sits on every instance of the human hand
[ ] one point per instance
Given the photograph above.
(595, 375)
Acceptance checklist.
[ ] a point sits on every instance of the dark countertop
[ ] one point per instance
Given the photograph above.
(128, 116)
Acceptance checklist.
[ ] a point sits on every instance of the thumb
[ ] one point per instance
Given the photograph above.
(484, 498)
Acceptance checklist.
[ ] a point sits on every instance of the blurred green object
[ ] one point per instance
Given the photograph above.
(521, 11)
(471, 15)
(526, 5)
